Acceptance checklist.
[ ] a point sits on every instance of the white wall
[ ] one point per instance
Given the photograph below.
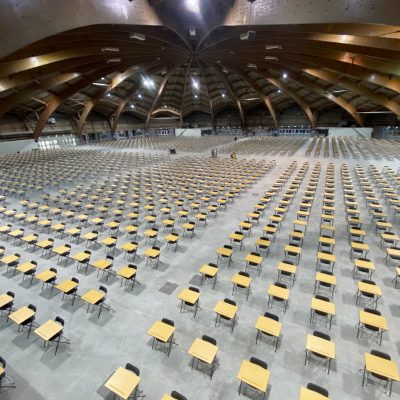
(351, 132)
(188, 132)
(17, 145)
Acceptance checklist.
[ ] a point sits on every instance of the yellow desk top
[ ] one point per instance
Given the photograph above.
(321, 346)
(81, 217)
(167, 397)
(300, 222)
(271, 229)
(189, 296)
(129, 246)
(236, 236)
(66, 285)
(282, 266)
(374, 320)
(277, 291)
(263, 242)
(226, 309)
(254, 375)
(359, 246)
(323, 306)
(224, 251)
(44, 222)
(21, 315)
(364, 264)
(296, 234)
(161, 331)
(9, 259)
(131, 228)
(17, 232)
(5, 228)
(307, 394)
(366, 287)
(93, 296)
(245, 224)
(108, 241)
(89, 236)
(326, 256)
(293, 249)
(45, 275)
(381, 367)
(45, 243)
(113, 224)
(171, 237)
(393, 252)
(269, 325)
(326, 278)
(97, 220)
(82, 256)
(253, 259)
(275, 218)
(122, 382)
(73, 231)
(168, 221)
(150, 233)
(61, 250)
(127, 272)
(57, 227)
(208, 270)
(5, 299)
(152, 252)
(241, 280)
(327, 227)
(102, 264)
(47, 330)
(326, 240)
(26, 267)
(389, 236)
(203, 350)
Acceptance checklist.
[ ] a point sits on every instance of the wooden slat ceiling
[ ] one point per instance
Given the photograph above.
(103, 69)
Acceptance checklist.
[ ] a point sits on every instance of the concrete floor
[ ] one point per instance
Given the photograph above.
(99, 346)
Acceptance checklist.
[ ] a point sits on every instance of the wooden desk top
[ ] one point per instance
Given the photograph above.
(82, 256)
(208, 270)
(269, 325)
(366, 287)
(30, 238)
(5, 299)
(26, 267)
(326, 256)
(326, 278)
(254, 375)
(127, 272)
(277, 291)
(150, 232)
(271, 229)
(321, 346)
(66, 285)
(47, 330)
(103, 264)
(161, 331)
(364, 264)
(9, 259)
(293, 249)
(326, 240)
(45, 243)
(393, 252)
(253, 259)
(61, 250)
(203, 350)
(21, 315)
(300, 222)
(359, 246)
(323, 306)
(108, 241)
(123, 382)
(152, 253)
(307, 394)
(224, 251)
(381, 367)
(189, 296)
(241, 280)
(282, 266)
(45, 275)
(374, 320)
(236, 236)
(129, 246)
(93, 296)
(226, 309)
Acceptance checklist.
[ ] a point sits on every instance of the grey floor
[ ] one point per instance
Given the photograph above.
(99, 346)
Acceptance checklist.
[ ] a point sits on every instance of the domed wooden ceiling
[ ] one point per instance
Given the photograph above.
(179, 61)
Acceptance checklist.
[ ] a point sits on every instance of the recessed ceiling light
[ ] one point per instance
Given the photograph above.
(223, 94)
(110, 49)
(273, 47)
(108, 95)
(132, 106)
(140, 96)
(195, 96)
(284, 76)
(137, 36)
(279, 91)
(271, 58)
(193, 5)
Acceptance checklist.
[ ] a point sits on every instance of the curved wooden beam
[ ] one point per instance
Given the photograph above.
(184, 88)
(160, 90)
(355, 88)
(266, 100)
(230, 91)
(305, 107)
(55, 101)
(203, 75)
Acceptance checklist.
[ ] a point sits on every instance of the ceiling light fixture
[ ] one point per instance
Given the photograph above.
(193, 5)
(114, 60)
(140, 96)
(132, 106)
(137, 36)
(271, 58)
(223, 94)
(253, 66)
(110, 49)
(148, 82)
(99, 84)
(339, 91)
(249, 35)
(195, 84)
(284, 76)
(273, 47)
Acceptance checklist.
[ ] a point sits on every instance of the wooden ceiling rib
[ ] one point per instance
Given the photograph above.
(363, 60)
